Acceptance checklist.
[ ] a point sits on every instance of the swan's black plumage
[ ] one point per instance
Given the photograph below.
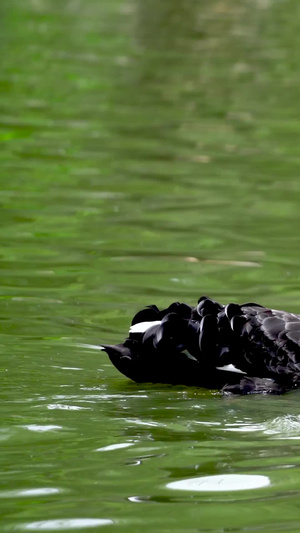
(192, 345)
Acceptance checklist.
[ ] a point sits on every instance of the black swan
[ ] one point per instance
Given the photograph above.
(239, 349)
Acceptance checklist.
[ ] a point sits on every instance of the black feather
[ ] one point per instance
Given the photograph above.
(189, 344)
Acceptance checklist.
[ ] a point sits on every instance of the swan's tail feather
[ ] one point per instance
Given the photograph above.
(249, 385)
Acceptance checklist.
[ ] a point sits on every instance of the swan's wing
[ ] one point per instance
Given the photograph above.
(270, 341)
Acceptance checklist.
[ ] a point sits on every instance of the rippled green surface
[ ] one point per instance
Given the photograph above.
(150, 152)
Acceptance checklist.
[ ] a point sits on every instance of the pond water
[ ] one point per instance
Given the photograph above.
(150, 153)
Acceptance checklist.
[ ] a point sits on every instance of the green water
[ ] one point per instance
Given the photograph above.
(149, 153)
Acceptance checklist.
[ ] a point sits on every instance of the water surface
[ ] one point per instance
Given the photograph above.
(150, 153)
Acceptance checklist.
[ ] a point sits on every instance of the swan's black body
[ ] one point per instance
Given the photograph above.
(192, 345)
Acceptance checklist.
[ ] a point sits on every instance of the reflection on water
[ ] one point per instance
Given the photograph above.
(149, 154)
(229, 482)
(111, 447)
(65, 524)
(30, 492)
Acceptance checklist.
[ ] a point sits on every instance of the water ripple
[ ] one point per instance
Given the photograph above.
(282, 427)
